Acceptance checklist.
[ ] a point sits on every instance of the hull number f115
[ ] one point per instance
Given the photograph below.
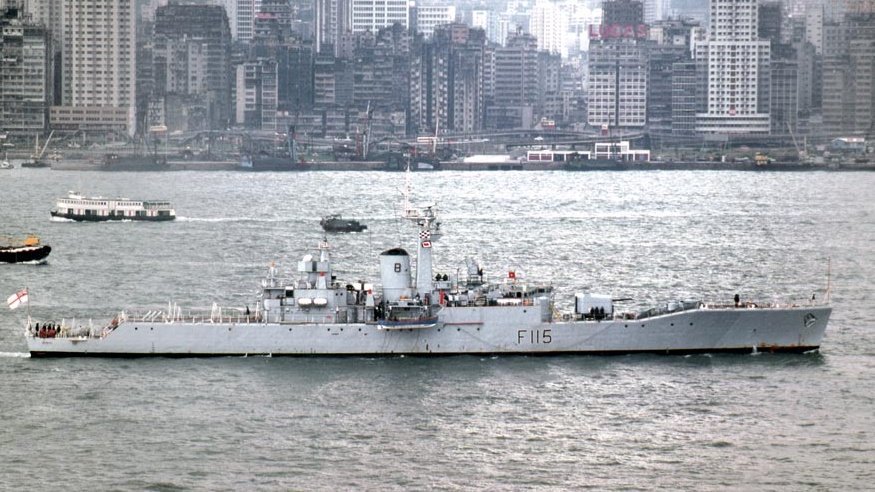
(534, 337)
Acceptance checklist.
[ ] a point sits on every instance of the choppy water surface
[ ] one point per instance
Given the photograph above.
(639, 422)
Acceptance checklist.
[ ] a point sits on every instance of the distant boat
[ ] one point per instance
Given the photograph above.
(263, 161)
(5, 164)
(36, 159)
(36, 162)
(98, 209)
(145, 156)
(336, 223)
(279, 156)
(28, 251)
(134, 162)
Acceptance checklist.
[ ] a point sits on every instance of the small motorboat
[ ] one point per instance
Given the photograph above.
(28, 251)
(336, 223)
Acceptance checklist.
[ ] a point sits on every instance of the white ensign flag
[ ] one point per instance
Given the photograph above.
(17, 299)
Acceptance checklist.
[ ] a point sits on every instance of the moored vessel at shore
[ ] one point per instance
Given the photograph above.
(134, 162)
(422, 311)
(78, 207)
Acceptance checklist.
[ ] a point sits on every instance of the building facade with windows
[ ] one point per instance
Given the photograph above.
(738, 73)
(25, 75)
(99, 65)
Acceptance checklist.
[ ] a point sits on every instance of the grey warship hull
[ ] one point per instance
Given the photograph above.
(483, 330)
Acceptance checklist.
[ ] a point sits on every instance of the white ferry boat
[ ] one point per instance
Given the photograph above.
(428, 313)
(97, 209)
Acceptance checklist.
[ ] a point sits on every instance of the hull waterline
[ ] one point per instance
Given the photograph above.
(793, 330)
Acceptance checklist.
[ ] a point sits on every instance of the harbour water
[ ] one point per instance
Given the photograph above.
(759, 421)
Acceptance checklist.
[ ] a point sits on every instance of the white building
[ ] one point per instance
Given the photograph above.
(549, 23)
(99, 58)
(371, 15)
(243, 15)
(654, 10)
(430, 16)
(736, 57)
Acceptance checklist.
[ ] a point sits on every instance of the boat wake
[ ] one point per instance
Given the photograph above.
(231, 219)
(61, 219)
(34, 262)
(15, 355)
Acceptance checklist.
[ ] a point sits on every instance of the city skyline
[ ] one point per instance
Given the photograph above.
(753, 68)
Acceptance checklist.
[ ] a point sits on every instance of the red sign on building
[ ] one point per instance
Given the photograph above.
(618, 31)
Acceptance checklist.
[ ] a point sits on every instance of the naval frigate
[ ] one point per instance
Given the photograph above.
(413, 311)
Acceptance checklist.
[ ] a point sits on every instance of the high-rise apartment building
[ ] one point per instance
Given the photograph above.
(256, 105)
(861, 54)
(737, 71)
(25, 74)
(381, 70)
(447, 80)
(622, 12)
(489, 21)
(191, 66)
(549, 24)
(669, 51)
(618, 68)
(784, 91)
(618, 80)
(371, 15)
(654, 10)
(332, 19)
(99, 57)
(244, 12)
(428, 17)
(276, 38)
(516, 83)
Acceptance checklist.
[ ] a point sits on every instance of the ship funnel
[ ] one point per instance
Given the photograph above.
(395, 274)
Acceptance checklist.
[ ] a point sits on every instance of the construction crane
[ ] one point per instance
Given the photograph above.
(801, 153)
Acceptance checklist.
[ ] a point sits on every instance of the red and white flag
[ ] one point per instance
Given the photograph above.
(17, 299)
